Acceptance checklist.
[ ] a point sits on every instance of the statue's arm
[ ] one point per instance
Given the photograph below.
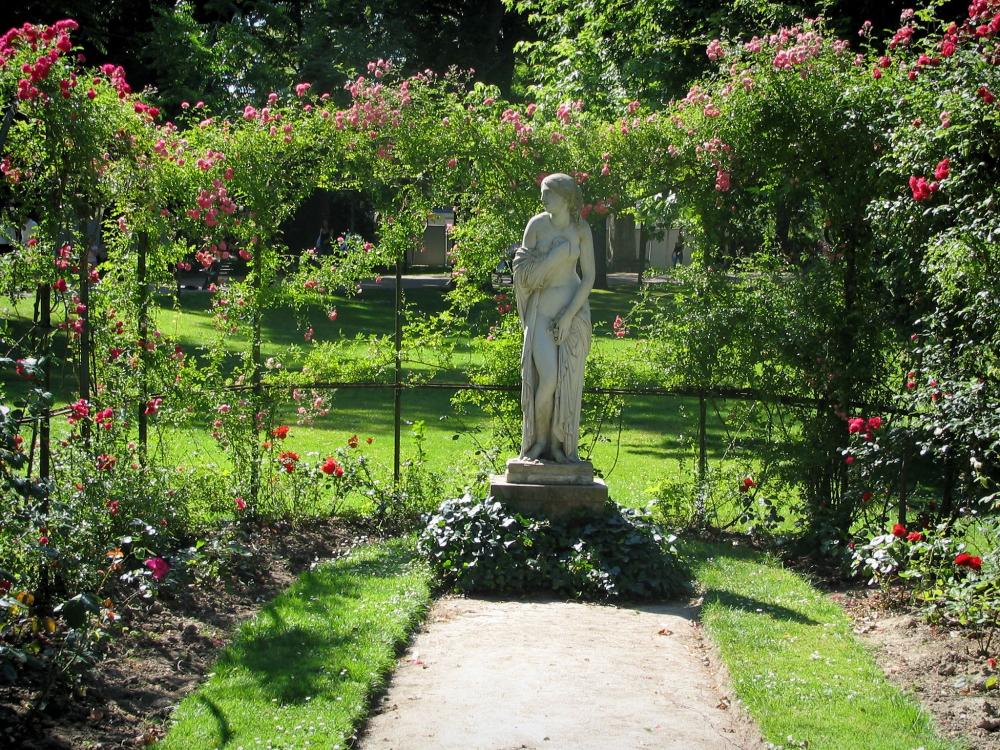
(529, 264)
(587, 275)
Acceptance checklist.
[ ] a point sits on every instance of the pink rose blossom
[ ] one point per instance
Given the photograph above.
(159, 566)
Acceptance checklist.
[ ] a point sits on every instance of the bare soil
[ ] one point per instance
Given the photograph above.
(942, 668)
(165, 649)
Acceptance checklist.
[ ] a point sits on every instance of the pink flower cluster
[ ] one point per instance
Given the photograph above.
(720, 155)
(105, 418)
(921, 189)
(864, 427)
(902, 37)
(158, 567)
(55, 38)
(211, 202)
(619, 327)
(565, 111)
(715, 50)
(78, 411)
(522, 131)
(116, 74)
(371, 109)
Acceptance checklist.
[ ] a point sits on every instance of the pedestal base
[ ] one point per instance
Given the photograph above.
(544, 488)
(534, 471)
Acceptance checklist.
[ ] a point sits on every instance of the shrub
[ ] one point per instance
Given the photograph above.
(479, 546)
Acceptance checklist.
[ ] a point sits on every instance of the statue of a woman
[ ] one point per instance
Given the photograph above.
(555, 315)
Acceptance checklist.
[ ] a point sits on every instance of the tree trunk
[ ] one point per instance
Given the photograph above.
(601, 255)
(622, 236)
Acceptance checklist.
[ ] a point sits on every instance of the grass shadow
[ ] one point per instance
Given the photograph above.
(225, 732)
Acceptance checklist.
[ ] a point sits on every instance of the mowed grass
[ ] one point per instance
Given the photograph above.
(302, 672)
(657, 433)
(795, 663)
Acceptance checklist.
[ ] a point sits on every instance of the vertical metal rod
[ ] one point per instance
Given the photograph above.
(84, 280)
(643, 239)
(45, 324)
(44, 440)
(901, 512)
(702, 439)
(397, 377)
(143, 241)
(256, 379)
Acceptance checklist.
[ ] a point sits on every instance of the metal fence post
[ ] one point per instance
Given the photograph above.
(397, 375)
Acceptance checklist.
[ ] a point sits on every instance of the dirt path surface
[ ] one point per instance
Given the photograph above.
(491, 675)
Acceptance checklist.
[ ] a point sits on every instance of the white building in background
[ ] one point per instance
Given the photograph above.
(659, 252)
(436, 241)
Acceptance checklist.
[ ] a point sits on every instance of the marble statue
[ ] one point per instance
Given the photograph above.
(555, 316)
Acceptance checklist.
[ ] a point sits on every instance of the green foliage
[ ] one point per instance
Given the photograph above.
(951, 585)
(305, 669)
(611, 52)
(478, 546)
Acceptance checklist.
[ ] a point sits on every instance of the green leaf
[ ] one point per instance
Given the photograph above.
(75, 610)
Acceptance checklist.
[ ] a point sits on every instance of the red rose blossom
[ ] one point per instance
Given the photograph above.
(899, 531)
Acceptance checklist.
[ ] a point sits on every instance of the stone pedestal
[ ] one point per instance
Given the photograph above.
(545, 488)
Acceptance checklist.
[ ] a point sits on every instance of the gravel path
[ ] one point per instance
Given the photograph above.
(500, 675)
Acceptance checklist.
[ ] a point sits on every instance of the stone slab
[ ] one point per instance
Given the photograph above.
(550, 500)
(527, 471)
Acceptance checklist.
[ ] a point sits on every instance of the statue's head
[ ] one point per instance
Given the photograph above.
(566, 187)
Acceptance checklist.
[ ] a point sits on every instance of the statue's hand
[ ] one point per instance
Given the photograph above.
(561, 329)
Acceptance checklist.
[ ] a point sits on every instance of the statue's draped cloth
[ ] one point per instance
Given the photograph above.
(529, 280)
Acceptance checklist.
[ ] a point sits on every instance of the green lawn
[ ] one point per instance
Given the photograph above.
(657, 432)
(302, 672)
(795, 663)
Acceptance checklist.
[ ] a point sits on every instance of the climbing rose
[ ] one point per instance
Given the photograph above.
(240, 503)
(921, 189)
(280, 432)
(899, 531)
(715, 50)
(914, 536)
(302, 88)
(855, 425)
(942, 170)
(159, 566)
